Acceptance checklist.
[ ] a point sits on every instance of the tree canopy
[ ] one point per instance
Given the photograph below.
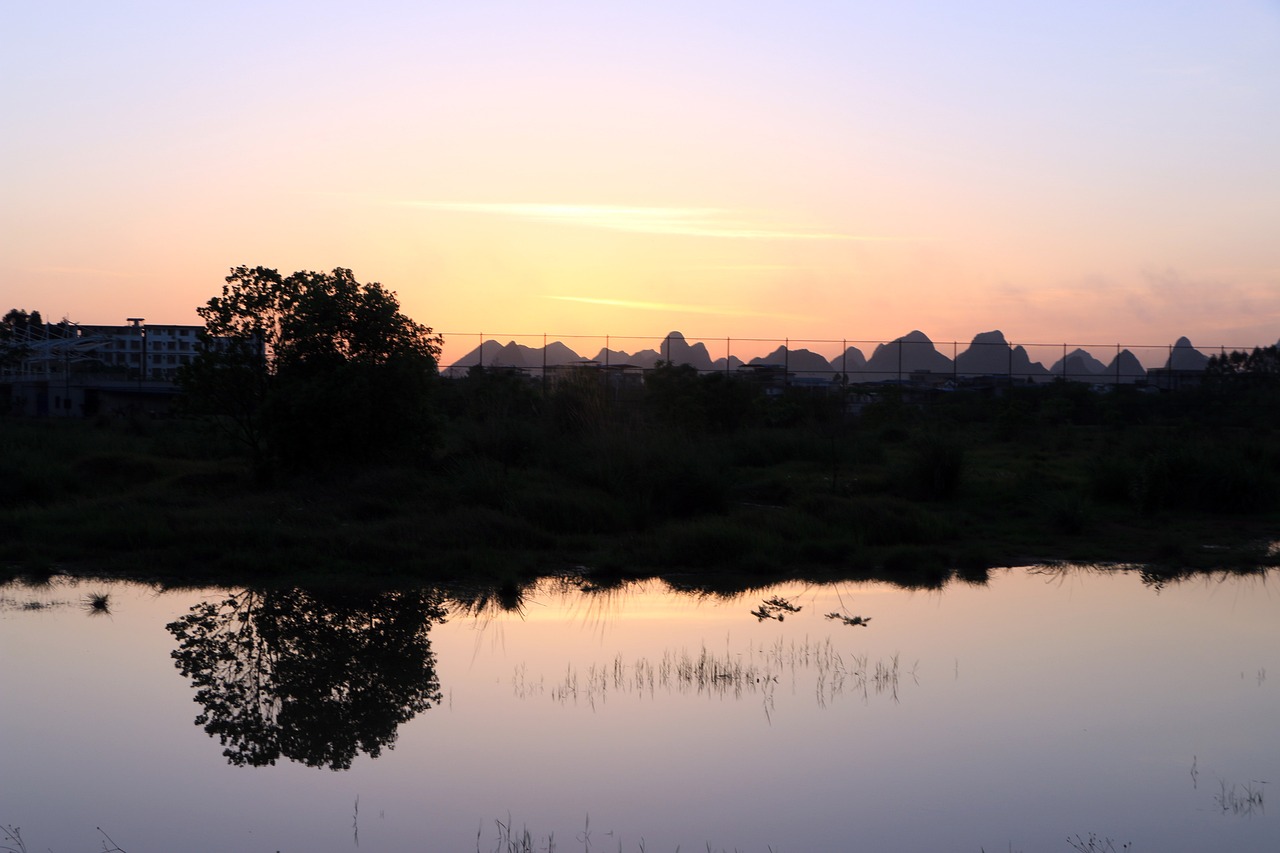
(16, 327)
(312, 368)
(1262, 364)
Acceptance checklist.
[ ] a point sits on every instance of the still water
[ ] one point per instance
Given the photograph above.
(1041, 711)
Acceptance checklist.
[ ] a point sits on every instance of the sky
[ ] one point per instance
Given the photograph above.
(1093, 172)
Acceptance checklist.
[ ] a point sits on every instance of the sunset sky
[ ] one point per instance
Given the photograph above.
(1086, 171)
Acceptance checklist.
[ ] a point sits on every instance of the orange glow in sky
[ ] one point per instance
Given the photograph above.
(1090, 172)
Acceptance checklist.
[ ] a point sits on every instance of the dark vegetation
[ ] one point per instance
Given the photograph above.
(319, 445)
(734, 488)
(312, 369)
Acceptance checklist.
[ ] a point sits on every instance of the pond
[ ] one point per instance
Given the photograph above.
(1048, 709)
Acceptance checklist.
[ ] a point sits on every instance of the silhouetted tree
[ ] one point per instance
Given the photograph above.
(314, 367)
(17, 320)
(673, 394)
(315, 679)
(15, 328)
(1262, 364)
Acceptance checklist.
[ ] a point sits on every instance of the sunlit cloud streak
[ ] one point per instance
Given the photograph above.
(673, 307)
(682, 221)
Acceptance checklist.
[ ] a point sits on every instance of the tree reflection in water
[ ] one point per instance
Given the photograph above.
(314, 677)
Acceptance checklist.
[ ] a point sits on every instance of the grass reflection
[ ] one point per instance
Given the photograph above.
(758, 672)
(1244, 800)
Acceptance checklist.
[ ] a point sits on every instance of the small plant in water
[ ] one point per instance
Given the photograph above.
(13, 839)
(13, 843)
(98, 602)
(775, 608)
(850, 620)
(1094, 844)
(1240, 799)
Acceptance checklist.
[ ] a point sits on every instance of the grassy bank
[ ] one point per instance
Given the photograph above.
(911, 494)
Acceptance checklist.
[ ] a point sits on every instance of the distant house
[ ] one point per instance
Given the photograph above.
(773, 378)
(619, 379)
(69, 370)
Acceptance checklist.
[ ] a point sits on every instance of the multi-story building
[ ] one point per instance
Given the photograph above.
(154, 350)
(69, 369)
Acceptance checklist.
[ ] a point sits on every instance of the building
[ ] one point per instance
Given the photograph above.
(67, 369)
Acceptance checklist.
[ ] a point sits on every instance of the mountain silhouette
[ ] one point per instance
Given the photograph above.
(1183, 356)
(905, 355)
(988, 354)
(677, 350)
(1124, 369)
(643, 358)
(852, 361)
(1079, 365)
(674, 348)
(492, 354)
(799, 362)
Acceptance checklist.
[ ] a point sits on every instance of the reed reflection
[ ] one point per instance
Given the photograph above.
(753, 672)
(316, 678)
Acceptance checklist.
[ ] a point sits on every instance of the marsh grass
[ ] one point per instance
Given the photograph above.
(13, 842)
(39, 592)
(816, 666)
(507, 839)
(1244, 800)
(12, 836)
(98, 603)
(1093, 843)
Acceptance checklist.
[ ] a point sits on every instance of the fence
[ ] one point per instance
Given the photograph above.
(913, 358)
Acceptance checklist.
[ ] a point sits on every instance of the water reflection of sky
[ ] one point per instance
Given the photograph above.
(1038, 707)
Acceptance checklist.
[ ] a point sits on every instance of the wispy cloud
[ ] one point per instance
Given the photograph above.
(674, 307)
(685, 221)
